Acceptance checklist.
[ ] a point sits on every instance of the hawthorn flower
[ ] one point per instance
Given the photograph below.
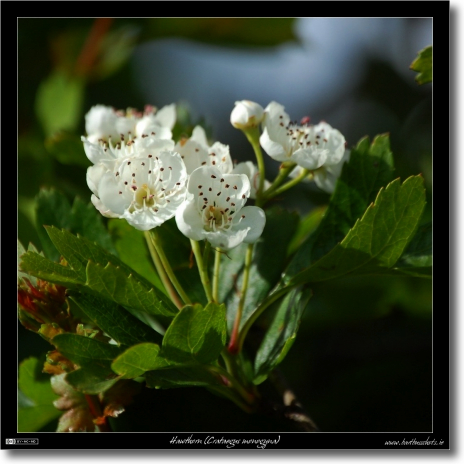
(325, 177)
(308, 146)
(246, 114)
(251, 171)
(196, 152)
(103, 123)
(145, 187)
(214, 209)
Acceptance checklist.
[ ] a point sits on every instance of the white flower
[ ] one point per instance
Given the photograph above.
(246, 114)
(100, 123)
(325, 177)
(214, 209)
(196, 152)
(251, 171)
(145, 188)
(103, 123)
(106, 153)
(308, 146)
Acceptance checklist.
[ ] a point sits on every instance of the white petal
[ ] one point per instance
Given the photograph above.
(149, 125)
(146, 219)
(125, 125)
(225, 240)
(95, 151)
(274, 149)
(100, 122)
(166, 116)
(252, 220)
(104, 211)
(199, 135)
(108, 191)
(94, 175)
(309, 158)
(336, 147)
(192, 153)
(221, 158)
(189, 221)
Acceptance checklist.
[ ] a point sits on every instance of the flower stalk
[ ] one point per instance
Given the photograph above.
(202, 269)
(167, 267)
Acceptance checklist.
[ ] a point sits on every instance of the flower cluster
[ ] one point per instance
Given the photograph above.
(319, 149)
(141, 175)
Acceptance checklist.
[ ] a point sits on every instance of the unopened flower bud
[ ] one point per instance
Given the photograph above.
(246, 114)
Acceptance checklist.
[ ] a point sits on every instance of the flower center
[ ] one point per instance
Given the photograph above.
(214, 218)
(145, 196)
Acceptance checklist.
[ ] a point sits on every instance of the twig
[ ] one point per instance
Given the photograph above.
(292, 408)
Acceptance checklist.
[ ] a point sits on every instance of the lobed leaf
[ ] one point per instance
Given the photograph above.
(136, 360)
(377, 240)
(423, 65)
(114, 320)
(370, 168)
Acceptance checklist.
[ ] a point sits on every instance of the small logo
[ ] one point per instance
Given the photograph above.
(22, 441)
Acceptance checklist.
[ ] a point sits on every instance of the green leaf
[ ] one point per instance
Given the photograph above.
(369, 169)
(125, 289)
(266, 267)
(136, 360)
(36, 407)
(196, 335)
(87, 352)
(417, 258)
(54, 209)
(38, 266)
(59, 101)
(423, 65)
(89, 382)
(281, 333)
(306, 227)
(191, 376)
(67, 149)
(132, 249)
(378, 239)
(114, 320)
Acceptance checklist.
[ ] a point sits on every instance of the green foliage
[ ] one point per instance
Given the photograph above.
(132, 250)
(66, 148)
(378, 239)
(281, 333)
(306, 226)
(35, 399)
(369, 169)
(190, 376)
(114, 320)
(195, 335)
(417, 258)
(266, 267)
(87, 352)
(423, 65)
(54, 209)
(59, 102)
(136, 360)
(89, 382)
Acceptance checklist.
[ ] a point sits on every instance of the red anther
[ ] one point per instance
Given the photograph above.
(305, 120)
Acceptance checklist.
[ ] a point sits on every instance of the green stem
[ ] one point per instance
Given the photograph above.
(168, 268)
(202, 269)
(234, 383)
(161, 272)
(232, 395)
(285, 169)
(252, 135)
(233, 347)
(217, 265)
(304, 173)
(265, 304)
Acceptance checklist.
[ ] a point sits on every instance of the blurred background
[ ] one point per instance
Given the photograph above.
(362, 360)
